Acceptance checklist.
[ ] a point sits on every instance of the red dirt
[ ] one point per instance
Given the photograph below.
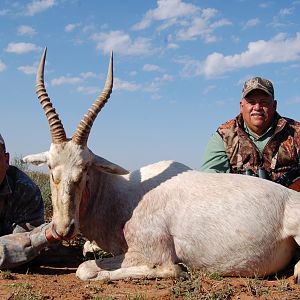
(56, 280)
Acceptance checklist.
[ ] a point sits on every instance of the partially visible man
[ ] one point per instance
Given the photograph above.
(258, 141)
(23, 233)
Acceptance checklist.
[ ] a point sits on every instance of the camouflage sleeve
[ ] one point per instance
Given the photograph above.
(19, 248)
(29, 210)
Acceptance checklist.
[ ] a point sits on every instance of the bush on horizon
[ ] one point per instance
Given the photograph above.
(41, 180)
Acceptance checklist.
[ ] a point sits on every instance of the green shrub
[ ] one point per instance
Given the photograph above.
(17, 162)
(42, 180)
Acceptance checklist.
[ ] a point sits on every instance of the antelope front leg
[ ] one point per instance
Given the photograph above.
(144, 271)
(297, 273)
(297, 265)
(90, 269)
(112, 269)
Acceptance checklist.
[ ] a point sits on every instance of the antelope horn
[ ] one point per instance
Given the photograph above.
(57, 131)
(81, 134)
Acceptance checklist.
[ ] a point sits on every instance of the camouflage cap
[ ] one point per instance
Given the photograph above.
(258, 83)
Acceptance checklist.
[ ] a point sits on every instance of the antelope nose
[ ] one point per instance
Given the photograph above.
(70, 231)
(67, 233)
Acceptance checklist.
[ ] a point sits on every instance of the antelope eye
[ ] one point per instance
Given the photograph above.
(55, 180)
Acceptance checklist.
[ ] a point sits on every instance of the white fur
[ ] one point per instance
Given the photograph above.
(164, 214)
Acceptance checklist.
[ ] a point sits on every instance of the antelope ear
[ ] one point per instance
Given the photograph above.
(36, 159)
(107, 166)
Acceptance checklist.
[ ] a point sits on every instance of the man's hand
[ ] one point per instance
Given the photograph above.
(49, 235)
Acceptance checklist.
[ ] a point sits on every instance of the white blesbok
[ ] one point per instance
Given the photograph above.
(165, 215)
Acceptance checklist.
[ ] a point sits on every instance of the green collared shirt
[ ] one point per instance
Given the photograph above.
(215, 159)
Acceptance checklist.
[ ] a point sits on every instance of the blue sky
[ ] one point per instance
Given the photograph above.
(179, 66)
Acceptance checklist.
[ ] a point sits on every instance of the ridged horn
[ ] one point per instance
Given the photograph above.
(57, 131)
(82, 132)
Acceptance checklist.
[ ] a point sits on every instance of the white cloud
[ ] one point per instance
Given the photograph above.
(190, 66)
(26, 30)
(279, 49)
(198, 27)
(165, 77)
(20, 48)
(28, 70)
(156, 97)
(166, 10)
(155, 85)
(37, 6)
(3, 12)
(251, 23)
(122, 43)
(286, 12)
(89, 90)
(167, 24)
(152, 87)
(265, 4)
(125, 85)
(71, 27)
(65, 80)
(89, 28)
(219, 23)
(192, 21)
(151, 68)
(86, 75)
(277, 22)
(173, 46)
(235, 39)
(133, 73)
(2, 66)
(75, 80)
(281, 20)
(208, 89)
(202, 26)
(221, 102)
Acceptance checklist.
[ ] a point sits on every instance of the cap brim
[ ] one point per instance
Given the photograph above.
(257, 88)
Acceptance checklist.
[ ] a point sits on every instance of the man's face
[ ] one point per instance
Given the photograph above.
(258, 109)
(4, 162)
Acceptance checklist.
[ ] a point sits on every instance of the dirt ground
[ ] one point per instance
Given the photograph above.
(52, 276)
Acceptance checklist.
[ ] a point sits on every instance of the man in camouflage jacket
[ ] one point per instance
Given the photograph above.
(258, 139)
(23, 233)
